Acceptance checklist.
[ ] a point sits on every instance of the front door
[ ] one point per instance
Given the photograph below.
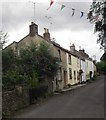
(65, 78)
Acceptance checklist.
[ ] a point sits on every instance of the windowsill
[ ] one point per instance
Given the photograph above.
(60, 80)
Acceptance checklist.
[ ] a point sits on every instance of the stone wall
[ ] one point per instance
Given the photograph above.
(14, 100)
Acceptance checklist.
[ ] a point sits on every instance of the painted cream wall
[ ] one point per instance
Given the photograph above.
(94, 68)
(89, 67)
(78, 68)
(83, 67)
(68, 67)
(75, 66)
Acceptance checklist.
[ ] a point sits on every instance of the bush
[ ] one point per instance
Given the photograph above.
(34, 81)
(12, 78)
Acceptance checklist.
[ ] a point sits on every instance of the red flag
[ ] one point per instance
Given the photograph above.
(51, 2)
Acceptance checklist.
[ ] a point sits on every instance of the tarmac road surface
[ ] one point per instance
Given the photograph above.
(83, 102)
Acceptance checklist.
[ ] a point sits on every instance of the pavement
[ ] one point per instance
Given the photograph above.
(69, 88)
(73, 87)
(0, 105)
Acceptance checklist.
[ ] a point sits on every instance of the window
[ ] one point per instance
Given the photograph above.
(87, 64)
(69, 59)
(18, 52)
(74, 75)
(77, 75)
(59, 53)
(77, 62)
(60, 74)
(70, 73)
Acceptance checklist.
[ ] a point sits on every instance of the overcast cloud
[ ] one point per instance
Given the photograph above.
(16, 17)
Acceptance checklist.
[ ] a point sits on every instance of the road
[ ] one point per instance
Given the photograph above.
(83, 102)
(0, 105)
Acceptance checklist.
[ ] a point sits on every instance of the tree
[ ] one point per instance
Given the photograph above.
(10, 70)
(3, 39)
(97, 15)
(8, 60)
(30, 68)
(101, 67)
(48, 64)
(37, 63)
(103, 58)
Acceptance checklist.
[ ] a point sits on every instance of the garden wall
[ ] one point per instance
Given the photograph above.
(14, 100)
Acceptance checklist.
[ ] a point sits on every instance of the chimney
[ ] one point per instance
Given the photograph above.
(46, 34)
(82, 51)
(72, 48)
(33, 29)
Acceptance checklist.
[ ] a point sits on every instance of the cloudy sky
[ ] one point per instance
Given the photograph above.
(65, 28)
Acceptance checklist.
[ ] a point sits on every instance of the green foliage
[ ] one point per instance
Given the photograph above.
(101, 67)
(48, 65)
(34, 81)
(33, 63)
(103, 58)
(12, 78)
(97, 15)
(38, 59)
(8, 59)
(27, 61)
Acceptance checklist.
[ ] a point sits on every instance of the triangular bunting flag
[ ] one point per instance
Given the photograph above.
(73, 11)
(62, 6)
(51, 2)
(82, 14)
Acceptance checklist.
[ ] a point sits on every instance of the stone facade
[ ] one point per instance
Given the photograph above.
(14, 100)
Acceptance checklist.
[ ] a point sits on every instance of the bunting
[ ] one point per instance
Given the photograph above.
(51, 2)
(82, 14)
(73, 11)
(62, 6)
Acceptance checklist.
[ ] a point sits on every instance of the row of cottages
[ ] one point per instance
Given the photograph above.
(75, 66)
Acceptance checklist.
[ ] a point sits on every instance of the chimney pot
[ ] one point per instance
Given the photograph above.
(46, 34)
(33, 29)
(82, 51)
(47, 30)
(72, 48)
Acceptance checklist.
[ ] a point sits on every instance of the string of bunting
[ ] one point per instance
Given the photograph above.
(73, 10)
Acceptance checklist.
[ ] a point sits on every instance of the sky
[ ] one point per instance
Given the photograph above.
(16, 16)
